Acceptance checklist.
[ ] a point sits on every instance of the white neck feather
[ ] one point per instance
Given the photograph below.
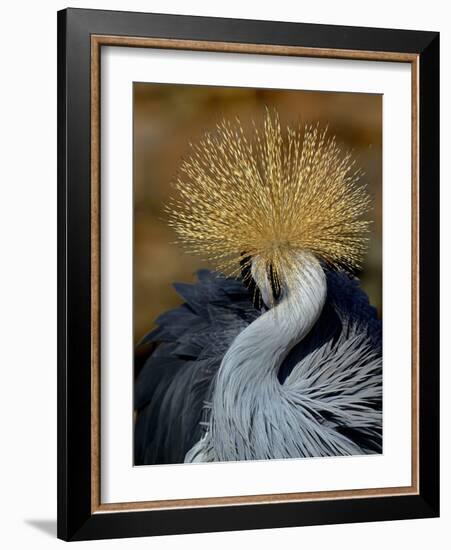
(247, 378)
(271, 337)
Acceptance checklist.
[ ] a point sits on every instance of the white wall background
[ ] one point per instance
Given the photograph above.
(28, 272)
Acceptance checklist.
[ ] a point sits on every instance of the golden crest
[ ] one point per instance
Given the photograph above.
(271, 194)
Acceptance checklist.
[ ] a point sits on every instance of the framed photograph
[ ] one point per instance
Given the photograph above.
(248, 274)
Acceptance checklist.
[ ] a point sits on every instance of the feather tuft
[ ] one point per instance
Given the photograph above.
(272, 194)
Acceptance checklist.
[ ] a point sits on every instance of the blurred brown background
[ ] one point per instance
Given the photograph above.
(168, 116)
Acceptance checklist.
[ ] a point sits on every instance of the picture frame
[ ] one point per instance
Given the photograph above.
(81, 36)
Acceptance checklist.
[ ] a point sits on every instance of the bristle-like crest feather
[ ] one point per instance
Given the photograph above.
(270, 194)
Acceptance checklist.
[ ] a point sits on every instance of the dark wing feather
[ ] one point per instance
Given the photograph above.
(173, 388)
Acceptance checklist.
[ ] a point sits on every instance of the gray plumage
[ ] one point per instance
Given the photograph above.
(198, 397)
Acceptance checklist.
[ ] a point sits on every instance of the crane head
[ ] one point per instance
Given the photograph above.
(269, 199)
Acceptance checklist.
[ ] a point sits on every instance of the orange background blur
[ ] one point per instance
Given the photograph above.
(169, 116)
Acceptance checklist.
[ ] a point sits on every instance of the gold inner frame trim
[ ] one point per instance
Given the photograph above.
(97, 41)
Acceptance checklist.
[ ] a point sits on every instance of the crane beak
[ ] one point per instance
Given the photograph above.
(274, 283)
(249, 282)
(262, 281)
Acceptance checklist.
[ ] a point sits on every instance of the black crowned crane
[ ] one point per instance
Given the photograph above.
(277, 354)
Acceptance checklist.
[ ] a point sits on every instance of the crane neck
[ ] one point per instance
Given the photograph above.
(246, 385)
(271, 337)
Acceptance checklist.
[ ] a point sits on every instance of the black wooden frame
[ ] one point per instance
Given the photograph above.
(75, 519)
